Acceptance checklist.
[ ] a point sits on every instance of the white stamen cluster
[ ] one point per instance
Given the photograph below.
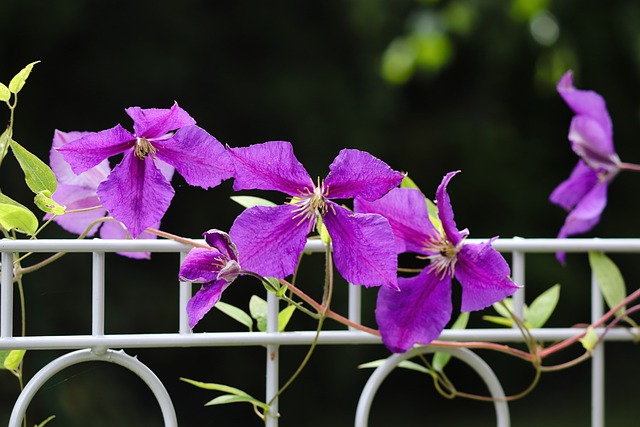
(445, 254)
(311, 204)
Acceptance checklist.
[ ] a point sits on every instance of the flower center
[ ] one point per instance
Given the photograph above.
(311, 203)
(144, 148)
(444, 255)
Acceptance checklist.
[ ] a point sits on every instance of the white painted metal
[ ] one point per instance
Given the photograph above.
(470, 358)
(99, 342)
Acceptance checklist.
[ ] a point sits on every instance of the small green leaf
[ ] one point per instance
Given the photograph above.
(408, 183)
(609, 280)
(230, 398)
(502, 321)
(18, 81)
(440, 359)
(45, 203)
(17, 217)
(5, 93)
(3, 356)
(235, 313)
(233, 392)
(324, 233)
(542, 307)
(590, 339)
(37, 174)
(405, 364)
(42, 424)
(251, 201)
(502, 310)
(5, 137)
(13, 359)
(258, 310)
(284, 316)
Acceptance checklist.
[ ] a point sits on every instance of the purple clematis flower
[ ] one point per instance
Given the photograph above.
(270, 239)
(136, 192)
(422, 308)
(216, 268)
(584, 193)
(77, 192)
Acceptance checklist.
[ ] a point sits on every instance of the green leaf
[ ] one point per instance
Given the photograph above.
(324, 233)
(3, 356)
(405, 364)
(230, 398)
(45, 203)
(13, 359)
(233, 392)
(408, 183)
(5, 93)
(37, 174)
(590, 339)
(284, 316)
(235, 313)
(5, 137)
(502, 321)
(18, 81)
(258, 310)
(14, 216)
(440, 359)
(500, 308)
(542, 307)
(42, 424)
(609, 279)
(251, 201)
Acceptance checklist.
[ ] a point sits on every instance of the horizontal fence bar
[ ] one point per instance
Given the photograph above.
(231, 339)
(121, 245)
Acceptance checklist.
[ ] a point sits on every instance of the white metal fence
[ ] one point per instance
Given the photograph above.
(99, 346)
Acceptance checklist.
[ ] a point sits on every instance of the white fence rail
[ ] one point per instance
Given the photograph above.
(99, 346)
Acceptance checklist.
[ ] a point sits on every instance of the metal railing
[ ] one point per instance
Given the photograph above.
(99, 346)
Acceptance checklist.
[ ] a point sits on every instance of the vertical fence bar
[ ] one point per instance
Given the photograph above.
(518, 274)
(6, 296)
(272, 369)
(186, 291)
(355, 304)
(97, 299)
(597, 360)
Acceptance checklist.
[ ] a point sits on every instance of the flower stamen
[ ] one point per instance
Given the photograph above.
(144, 148)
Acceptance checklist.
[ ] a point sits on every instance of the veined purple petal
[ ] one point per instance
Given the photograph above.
(416, 314)
(167, 170)
(587, 212)
(204, 300)
(117, 230)
(156, 122)
(201, 265)
(198, 156)
(269, 166)
(222, 242)
(592, 144)
(136, 193)
(406, 211)
(445, 211)
(269, 240)
(581, 181)
(357, 173)
(84, 153)
(77, 197)
(88, 179)
(484, 276)
(362, 246)
(587, 103)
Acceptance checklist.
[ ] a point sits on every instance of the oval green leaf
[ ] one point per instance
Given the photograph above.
(13, 359)
(258, 310)
(18, 81)
(609, 280)
(38, 176)
(284, 316)
(17, 217)
(590, 339)
(45, 203)
(5, 93)
(542, 307)
(251, 201)
(235, 313)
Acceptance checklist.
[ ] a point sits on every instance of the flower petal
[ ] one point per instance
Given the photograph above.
(77, 197)
(198, 156)
(406, 211)
(201, 265)
(484, 276)
(445, 211)
(84, 153)
(357, 173)
(592, 144)
(363, 252)
(90, 178)
(587, 212)
(581, 181)
(204, 300)
(269, 166)
(116, 230)
(222, 242)
(416, 314)
(587, 103)
(156, 122)
(269, 240)
(136, 193)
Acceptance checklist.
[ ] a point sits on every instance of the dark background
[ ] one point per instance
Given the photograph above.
(427, 86)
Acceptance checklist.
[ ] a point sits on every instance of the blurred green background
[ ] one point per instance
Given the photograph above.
(427, 86)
